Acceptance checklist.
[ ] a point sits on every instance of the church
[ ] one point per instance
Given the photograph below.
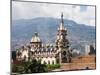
(47, 54)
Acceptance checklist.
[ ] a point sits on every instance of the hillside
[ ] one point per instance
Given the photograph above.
(23, 30)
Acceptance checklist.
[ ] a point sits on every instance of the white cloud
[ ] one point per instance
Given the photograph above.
(87, 17)
(29, 10)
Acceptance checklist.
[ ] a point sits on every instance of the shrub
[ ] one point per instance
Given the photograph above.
(53, 66)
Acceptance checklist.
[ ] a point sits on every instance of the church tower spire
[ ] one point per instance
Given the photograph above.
(62, 23)
(62, 19)
(62, 43)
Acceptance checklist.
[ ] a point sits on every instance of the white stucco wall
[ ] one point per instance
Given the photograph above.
(24, 54)
(48, 59)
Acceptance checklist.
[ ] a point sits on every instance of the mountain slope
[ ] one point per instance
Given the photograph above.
(23, 30)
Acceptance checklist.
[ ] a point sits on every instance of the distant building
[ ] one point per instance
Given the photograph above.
(87, 49)
(47, 54)
(75, 53)
(94, 46)
(90, 49)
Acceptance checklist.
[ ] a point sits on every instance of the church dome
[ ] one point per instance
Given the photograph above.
(36, 38)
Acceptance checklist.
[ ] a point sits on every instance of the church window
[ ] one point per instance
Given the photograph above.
(48, 62)
(52, 62)
(44, 62)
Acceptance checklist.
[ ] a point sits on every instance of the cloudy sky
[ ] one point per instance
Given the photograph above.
(29, 10)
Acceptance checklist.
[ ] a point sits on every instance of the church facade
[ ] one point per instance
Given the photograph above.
(47, 54)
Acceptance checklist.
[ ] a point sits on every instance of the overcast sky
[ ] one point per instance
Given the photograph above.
(29, 10)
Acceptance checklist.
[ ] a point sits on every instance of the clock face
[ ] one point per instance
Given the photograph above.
(64, 53)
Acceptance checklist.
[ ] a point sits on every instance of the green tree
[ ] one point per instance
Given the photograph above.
(29, 67)
(36, 67)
